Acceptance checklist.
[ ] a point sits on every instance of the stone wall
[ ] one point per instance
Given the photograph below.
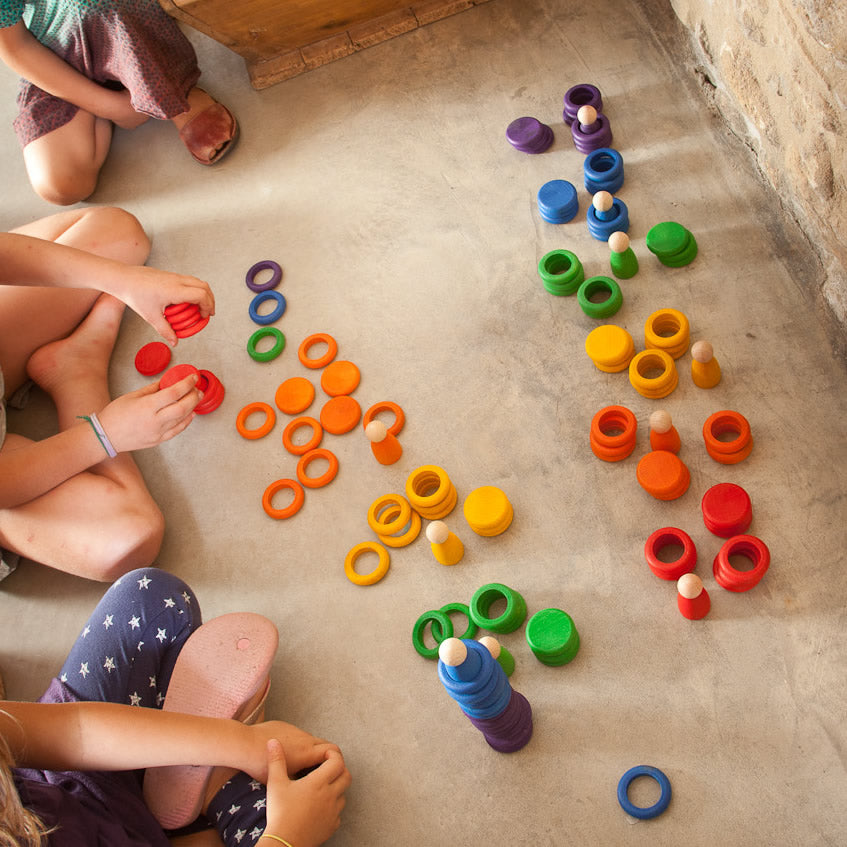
(776, 72)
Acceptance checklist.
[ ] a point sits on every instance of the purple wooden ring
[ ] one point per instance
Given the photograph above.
(583, 94)
(266, 265)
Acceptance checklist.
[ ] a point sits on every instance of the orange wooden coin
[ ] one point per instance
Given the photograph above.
(340, 414)
(663, 474)
(339, 378)
(295, 395)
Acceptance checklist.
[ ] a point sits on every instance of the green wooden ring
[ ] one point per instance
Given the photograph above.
(485, 597)
(445, 630)
(609, 306)
(257, 336)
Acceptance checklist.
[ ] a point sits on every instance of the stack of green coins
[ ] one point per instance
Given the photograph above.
(672, 244)
(552, 637)
(561, 272)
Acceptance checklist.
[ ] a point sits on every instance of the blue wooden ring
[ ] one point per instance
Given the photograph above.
(644, 812)
(266, 265)
(276, 314)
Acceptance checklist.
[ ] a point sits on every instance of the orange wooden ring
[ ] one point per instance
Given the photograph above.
(293, 426)
(386, 406)
(295, 395)
(722, 422)
(317, 481)
(288, 511)
(341, 377)
(264, 429)
(340, 414)
(317, 338)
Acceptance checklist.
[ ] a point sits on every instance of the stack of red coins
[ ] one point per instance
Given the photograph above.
(185, 319)
(727, 510)
(207, 382)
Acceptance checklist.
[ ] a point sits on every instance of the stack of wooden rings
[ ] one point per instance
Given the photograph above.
(610, 347)
(749, 547)
(431, 493)
(666, 538)
(484, 599)
(488, 511)
(653, 373)
(561, 272)
(613, 433)
(207, 382)
(393, 520)
(727, 451)
(185, 319)
(668, 330)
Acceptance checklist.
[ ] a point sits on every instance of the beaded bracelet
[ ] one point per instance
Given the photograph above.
(275, 838)
(100, 433)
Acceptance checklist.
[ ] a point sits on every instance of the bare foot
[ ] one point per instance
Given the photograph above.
(79, 364)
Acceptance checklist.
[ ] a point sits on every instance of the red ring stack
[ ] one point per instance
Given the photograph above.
(185, 319)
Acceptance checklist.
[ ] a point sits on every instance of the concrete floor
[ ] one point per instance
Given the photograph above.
(407, 228)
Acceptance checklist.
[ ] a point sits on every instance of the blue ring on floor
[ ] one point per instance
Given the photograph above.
(276, 314)
(266, 265)
(646, 812)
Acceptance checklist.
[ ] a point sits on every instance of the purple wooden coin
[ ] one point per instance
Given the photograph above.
(529, 135)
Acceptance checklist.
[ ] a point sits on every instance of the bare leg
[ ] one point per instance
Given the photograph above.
(63, 166)
(33, 317)
(101, 523)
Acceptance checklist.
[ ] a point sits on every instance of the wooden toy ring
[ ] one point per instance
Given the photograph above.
(288, 511)
(644, 812)
(614, 427)
(406, 538)
(422, 480)
(308, 343)
(266, 265)
(377, 573)
(293, 426)
(389, 527)
(176, 309)
(258, 432)
(462, 609)
(485, 597)
(184, 320)
(192, 330)
(434, 618)
(317, 481)
(670, 536)
(267, 355)
(386, 406)
(262, 297)
(750, 547)
(721, 423)
(667, 321)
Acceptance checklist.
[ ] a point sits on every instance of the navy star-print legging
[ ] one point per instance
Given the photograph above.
(126, 653)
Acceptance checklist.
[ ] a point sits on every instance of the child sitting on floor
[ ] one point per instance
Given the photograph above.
(89, 64)
(64, 501)
(147, 686)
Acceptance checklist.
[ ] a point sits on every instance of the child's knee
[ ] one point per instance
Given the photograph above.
(133, 542)
(123, 229)
(63, 189)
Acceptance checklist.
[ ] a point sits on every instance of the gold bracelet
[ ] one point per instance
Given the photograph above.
(275, 838)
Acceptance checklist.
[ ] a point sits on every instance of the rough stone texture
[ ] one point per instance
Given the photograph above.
(777, 73)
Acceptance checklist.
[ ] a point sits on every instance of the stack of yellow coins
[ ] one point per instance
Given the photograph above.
(431, 493)
(610, 347)
(653, 373)
(393, 520)
(667, 330)
(488, 511)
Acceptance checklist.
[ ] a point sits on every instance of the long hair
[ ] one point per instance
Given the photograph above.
(18, 826)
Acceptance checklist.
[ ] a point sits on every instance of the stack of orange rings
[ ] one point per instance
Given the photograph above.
(723, 451)
(308, 343)
(663, 475)
(641, 369)
(431, 492)
(669, 537)
(393, 520)
(288, 511)
(259, 432)
(293, 426)
(325, 478)
(613, 432)
(377, 573)
(751, 548)
(667, 330)
(386, 406)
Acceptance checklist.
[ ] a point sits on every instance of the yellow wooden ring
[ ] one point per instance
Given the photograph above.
(423, 478)
(441, 509)
(407, 537)
(655, 387)
(389, 527)
(667, 321)
(377, 573)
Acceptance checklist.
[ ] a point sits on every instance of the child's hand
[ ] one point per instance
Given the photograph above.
(307, 811)
(302, 749)
(148, 291)
(148, 416)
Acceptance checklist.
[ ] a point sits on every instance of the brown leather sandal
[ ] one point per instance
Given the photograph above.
(210, 134)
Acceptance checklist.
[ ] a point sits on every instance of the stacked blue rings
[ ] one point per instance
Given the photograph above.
(276, 314)
(557, 201)
(602, 224)
(487, 693)
(603, 170)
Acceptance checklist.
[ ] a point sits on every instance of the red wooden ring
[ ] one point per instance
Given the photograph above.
(732, 579)
(666, 537)
(175, 374)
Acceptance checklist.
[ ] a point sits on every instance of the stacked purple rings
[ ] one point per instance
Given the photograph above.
(529, 135)
(578, 96)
